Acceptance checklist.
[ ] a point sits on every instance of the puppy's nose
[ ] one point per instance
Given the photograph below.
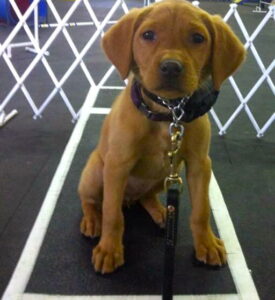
(171, 68)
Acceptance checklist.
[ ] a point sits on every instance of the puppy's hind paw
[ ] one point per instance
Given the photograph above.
(159, 216)
(90, 227)
(156, 210)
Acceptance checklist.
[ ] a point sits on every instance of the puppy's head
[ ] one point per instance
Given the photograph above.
(172, 46)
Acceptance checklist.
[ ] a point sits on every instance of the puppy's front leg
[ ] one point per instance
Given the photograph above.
(108, 255)
(209, 249)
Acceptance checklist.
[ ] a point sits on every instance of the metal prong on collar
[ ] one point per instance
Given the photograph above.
(177, 113)
(176, 110)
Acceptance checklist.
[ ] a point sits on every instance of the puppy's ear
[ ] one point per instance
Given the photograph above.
(117, 42)
(228, 51)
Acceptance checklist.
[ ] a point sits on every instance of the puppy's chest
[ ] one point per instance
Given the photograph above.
(154, 161)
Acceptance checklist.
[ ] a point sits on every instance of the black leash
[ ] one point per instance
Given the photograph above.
(170, 243)
(173, 186)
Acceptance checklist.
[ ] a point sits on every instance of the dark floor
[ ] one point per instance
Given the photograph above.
(30, 152)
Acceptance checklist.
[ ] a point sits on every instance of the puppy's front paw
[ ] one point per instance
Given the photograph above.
(107, 258)
(210, 250)
(91, 226)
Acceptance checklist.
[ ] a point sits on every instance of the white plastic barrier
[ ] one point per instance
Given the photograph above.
(265, 74)
(61, 26)
(40, 52)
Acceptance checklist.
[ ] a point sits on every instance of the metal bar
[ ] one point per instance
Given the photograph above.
(44, 61)
(217, 120)
(250, 44)
(261, 25)
(266, 126)
(237, 111)
(83, 52)
(5, 118)
(17, 45)
(262, 67)
(146, 2)
(259, 82)
(229, 13)
(36, 29)
(18, 26)
(251, 117)
(41, 51)
(112, 87)
(72, 45)
(232, 118)
(106, 76)
(73, 24)
(17, 78)
(124, 7)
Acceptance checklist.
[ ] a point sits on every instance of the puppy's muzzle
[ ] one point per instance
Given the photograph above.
(170, 69)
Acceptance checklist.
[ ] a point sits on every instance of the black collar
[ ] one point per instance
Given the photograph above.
(159, 100)
(197, 105)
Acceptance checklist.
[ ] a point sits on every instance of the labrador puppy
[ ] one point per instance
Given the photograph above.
(167, 51)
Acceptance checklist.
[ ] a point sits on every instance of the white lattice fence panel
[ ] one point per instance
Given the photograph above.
(244, 100)
(60, 28)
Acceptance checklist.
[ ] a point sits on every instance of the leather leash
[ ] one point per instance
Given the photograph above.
(173, 186)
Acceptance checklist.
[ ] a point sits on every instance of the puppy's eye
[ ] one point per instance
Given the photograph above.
(197, 38)
(149, 35)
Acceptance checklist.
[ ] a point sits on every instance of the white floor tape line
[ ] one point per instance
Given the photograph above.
(120, 297)
(236, 261)
(100, 110)
(25, 265)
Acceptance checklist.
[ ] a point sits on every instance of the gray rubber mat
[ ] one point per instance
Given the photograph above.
(64, 263)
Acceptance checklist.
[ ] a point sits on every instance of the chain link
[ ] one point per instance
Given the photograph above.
(177, 110)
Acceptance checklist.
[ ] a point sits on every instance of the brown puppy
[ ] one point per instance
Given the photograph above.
(130, 161)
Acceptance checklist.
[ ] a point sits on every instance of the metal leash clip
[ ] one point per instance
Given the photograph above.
(176, 131)
(174, 178)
